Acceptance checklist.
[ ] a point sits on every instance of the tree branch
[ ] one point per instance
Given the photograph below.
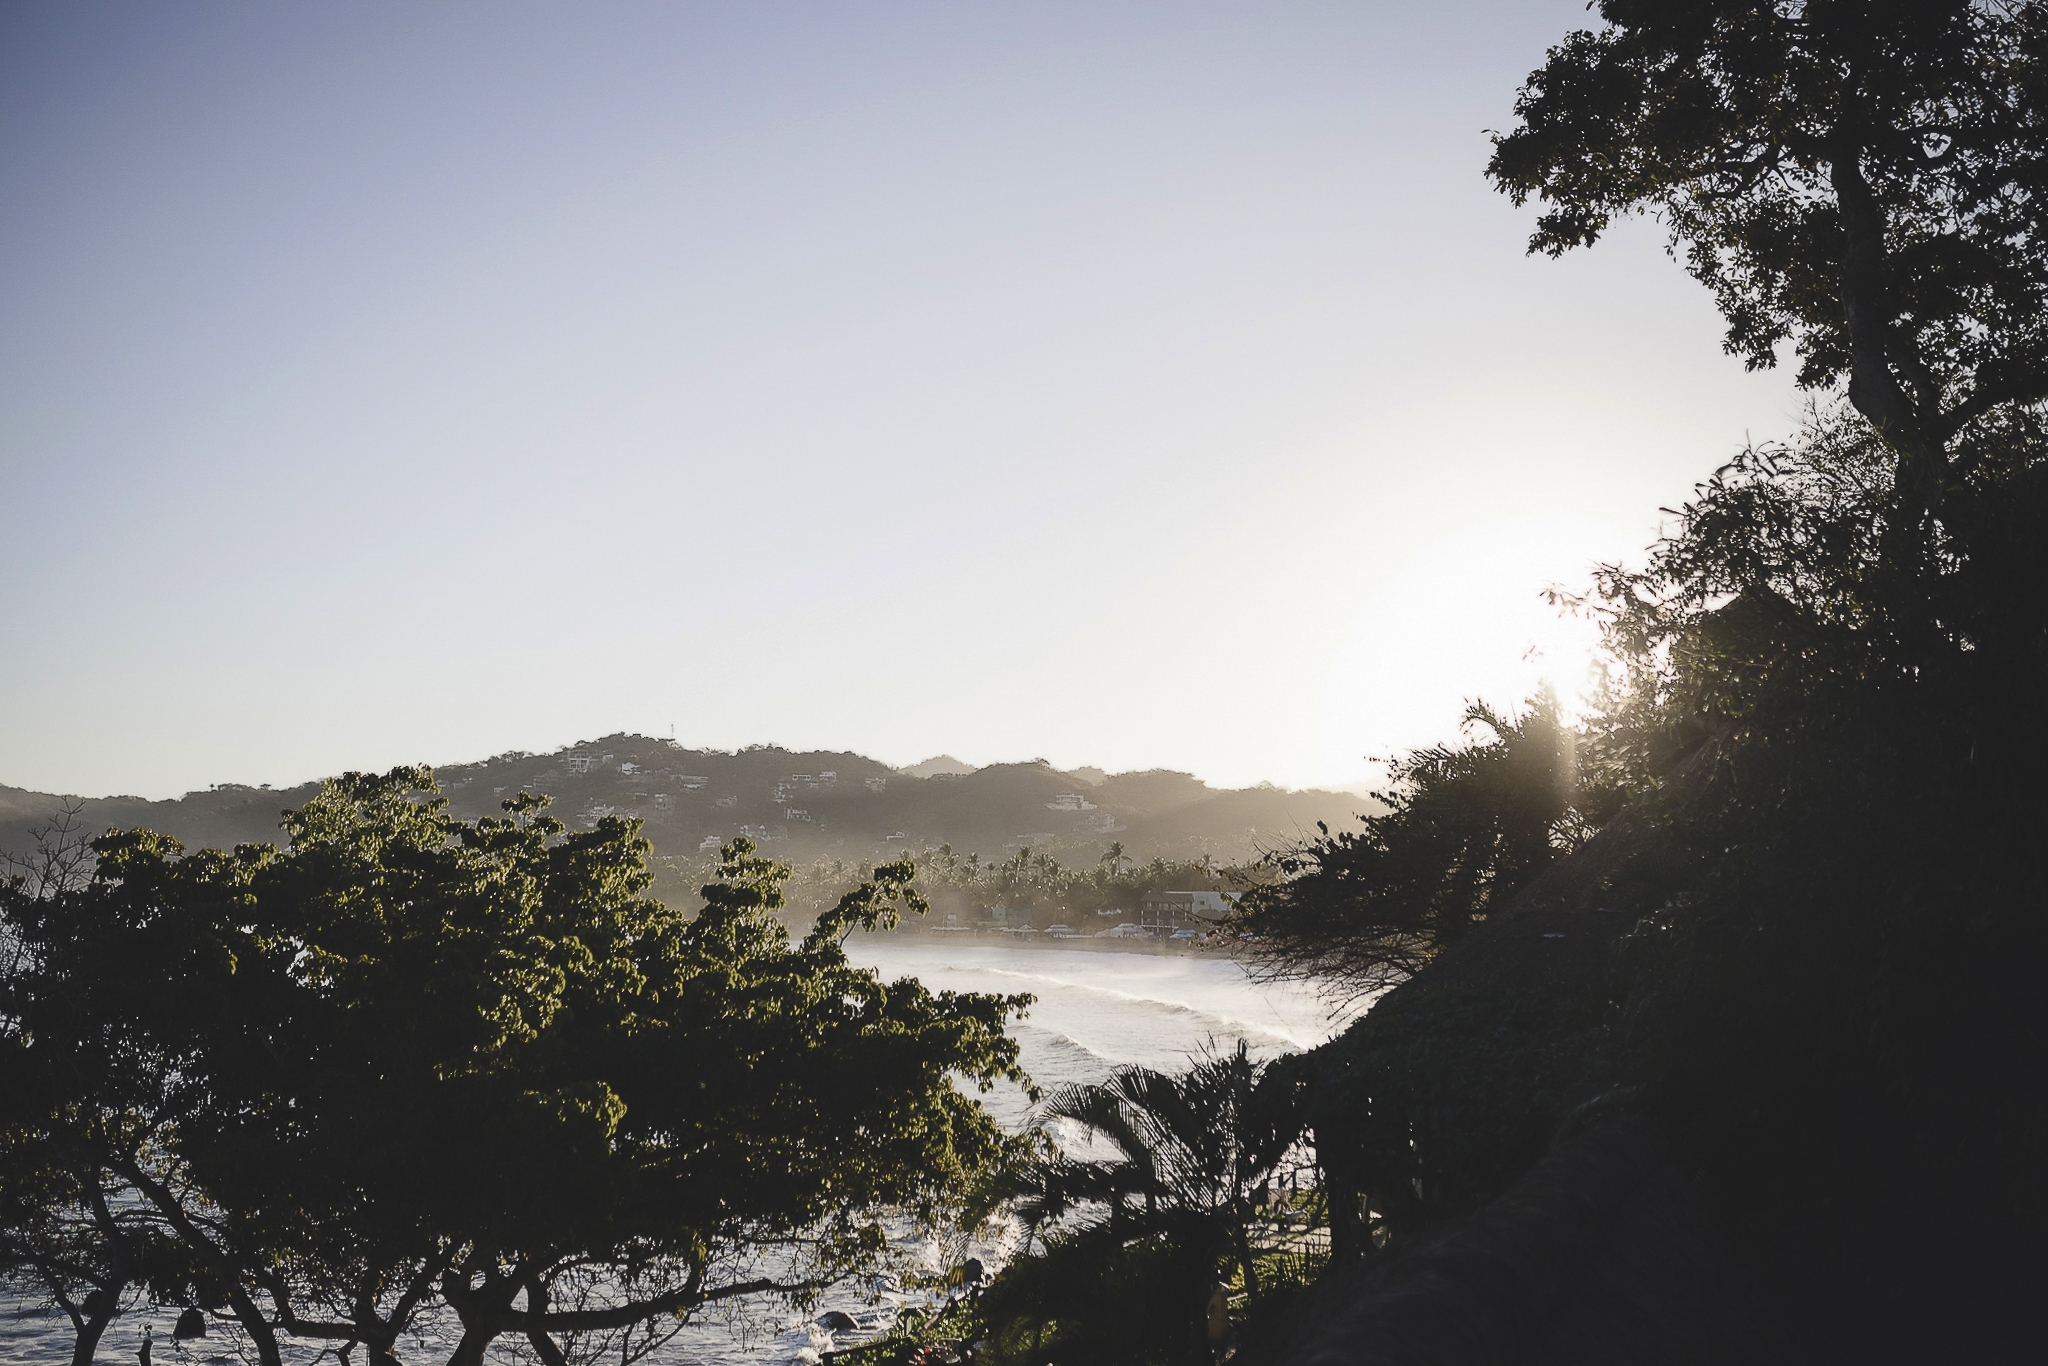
(624, 1315)
(1873, 388)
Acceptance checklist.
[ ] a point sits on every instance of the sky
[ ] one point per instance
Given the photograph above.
(1131, 385)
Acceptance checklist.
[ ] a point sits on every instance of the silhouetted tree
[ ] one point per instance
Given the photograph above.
(1121, 1250)
(1465, 826)
(1865, 180)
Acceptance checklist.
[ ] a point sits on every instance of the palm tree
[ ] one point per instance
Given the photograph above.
(1179, 1166)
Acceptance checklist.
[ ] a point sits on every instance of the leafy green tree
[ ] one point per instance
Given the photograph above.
(72, 1118)
(1864, 180)
(73, 1229)
(411, 1063)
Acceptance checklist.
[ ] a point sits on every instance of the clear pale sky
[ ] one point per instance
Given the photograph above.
(1132, 385)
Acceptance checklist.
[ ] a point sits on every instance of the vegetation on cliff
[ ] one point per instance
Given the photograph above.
(1775, 894)
(1777, 891)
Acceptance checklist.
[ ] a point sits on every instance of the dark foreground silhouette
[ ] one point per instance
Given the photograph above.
(1602, 1254)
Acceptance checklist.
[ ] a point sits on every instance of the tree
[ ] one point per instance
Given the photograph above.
(68, 1223)
(411, 1064)
(1038, 881)
(1129, 1243)
(1866, 180)
(1465, 827)
(1808, 946)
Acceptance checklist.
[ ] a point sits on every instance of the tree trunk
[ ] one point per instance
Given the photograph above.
(537, 1337)
(382, 1349)
(544, 1347)
(246, 1313)
(1348, 1242)
(89, 1326)
(1874, 388)
(470, 1350)
(478, 1308)
(253, 1322)
(90, 1319)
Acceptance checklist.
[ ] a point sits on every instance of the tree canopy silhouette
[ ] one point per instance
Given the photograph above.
(1125, 1242)
(1860, 179)
(1465, 826)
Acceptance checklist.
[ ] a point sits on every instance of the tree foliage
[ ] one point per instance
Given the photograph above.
(409, 1064)
(1806, 938)
(1034, 880)
(72, 1227)
(1807, 943)
(1766, 617)
(1464, 827)
(1126, 1237)
(1862, 180)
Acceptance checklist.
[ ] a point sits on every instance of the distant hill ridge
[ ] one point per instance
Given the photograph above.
(798, 804)
(933, 767)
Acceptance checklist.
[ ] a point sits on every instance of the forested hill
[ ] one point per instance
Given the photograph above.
(796, 804)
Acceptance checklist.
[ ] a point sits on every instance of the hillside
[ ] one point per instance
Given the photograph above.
(797, 804)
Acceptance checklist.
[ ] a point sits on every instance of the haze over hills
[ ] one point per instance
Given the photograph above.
(796, 804)
(938, 764)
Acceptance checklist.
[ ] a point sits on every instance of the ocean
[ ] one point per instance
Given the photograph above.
(1100, 1010)
(1097, 1010)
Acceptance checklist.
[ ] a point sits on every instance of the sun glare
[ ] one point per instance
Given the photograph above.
(1467, 618)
